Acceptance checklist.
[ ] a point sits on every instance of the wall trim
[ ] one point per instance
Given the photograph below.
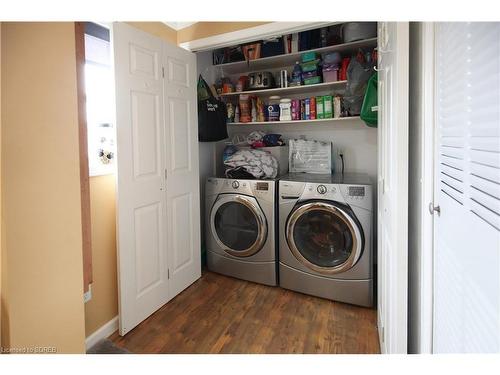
(103, 332)
(250, 34)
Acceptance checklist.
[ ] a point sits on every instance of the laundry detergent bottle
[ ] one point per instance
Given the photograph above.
(297, 74)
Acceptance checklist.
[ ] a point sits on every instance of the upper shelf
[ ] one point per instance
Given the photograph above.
(290, 58)
(280, 90)
(274, 123)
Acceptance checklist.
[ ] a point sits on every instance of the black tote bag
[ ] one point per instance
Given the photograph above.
(212, 115)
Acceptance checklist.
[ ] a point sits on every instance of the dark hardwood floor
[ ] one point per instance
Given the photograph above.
(219, 314)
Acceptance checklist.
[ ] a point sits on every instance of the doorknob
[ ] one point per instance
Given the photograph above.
(433, 209)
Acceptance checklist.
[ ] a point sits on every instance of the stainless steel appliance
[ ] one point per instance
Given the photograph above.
(260, 80)
(325, 236)
(240, 229)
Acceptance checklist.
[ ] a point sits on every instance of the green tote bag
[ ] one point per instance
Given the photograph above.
(369, 108)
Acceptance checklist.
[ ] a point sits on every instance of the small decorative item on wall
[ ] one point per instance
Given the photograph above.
(106, 156)
(102, 149)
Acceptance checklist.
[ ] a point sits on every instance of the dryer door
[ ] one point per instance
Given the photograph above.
(238, 225)
(324, 237)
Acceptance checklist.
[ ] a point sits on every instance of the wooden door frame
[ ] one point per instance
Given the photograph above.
(84, 159)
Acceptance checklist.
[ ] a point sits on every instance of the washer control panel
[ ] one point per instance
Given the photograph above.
(356, 191)
(306, 190)
(291, 190)
(322, 189)
(358, 195)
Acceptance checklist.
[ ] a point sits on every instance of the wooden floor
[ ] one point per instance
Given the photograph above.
(219, 314)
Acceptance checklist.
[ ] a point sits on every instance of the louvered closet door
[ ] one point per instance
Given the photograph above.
(467, 189)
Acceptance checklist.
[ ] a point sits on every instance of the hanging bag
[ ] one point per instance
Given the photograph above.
(212, 115)
(369, 109)
(358, 73)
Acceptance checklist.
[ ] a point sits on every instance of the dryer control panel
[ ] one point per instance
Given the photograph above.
(261, 189)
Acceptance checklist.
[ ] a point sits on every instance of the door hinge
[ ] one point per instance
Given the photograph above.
(87, 296)
(165, 174)
(163, 72)
(383, 334)
(168, 274)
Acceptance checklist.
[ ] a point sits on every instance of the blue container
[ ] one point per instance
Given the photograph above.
(273, 112)
(307, 109)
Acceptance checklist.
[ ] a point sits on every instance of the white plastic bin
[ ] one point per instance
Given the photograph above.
(280, 153)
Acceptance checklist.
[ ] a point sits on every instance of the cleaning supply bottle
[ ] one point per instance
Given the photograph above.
(297, 74)
(254, 111)
(323, 36)
(237, 113)
(285, 109)
(273, 108)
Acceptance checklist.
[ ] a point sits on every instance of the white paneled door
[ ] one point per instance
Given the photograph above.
(182, 167)
(467, 188)
(392, 244)
(157, 171)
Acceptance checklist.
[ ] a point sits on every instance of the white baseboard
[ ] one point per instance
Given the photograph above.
(102, 333)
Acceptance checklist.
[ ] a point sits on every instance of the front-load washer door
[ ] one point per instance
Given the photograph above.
(238, 225)
(324, 236)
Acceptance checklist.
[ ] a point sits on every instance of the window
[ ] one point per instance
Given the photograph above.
(99, 99)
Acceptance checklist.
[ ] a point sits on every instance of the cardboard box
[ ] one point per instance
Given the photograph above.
(320, 107)
(328, 106)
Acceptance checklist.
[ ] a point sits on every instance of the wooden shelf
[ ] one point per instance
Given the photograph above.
(322, 120)
(290, 58)
(280, 90)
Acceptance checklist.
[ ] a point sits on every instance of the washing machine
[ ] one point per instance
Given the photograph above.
(240, 228)
(325, 236)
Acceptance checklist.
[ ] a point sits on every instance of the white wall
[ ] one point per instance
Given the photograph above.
(358, 142)
(206, 149)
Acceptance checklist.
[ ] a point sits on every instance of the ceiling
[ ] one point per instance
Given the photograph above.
(178, 25)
